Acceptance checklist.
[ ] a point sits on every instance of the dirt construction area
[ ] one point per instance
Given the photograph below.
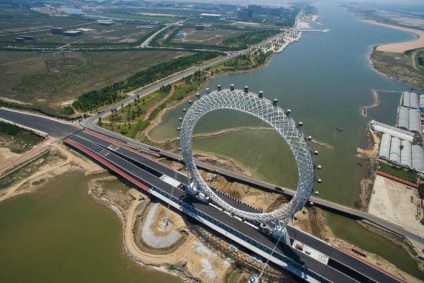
(397, 203)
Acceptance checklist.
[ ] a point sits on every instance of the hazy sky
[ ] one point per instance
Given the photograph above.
(285, 2)
(399, 2)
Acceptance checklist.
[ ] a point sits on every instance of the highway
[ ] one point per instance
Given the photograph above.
(50, 126)
(218, 216)
(135, 167)
(60, 130)
(90, 123)
(147, 163)
(328, 205)
(106, 144)
(147, 41)
(126, 159)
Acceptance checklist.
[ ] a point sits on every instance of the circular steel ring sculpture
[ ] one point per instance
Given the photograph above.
(269, 112)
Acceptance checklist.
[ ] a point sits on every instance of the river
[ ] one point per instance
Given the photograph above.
(60, 234)
(324, 79)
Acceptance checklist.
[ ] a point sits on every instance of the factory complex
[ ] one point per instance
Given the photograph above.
(402, 145)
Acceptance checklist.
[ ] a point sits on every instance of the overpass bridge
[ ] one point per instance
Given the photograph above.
(59, 129)
(145, 174)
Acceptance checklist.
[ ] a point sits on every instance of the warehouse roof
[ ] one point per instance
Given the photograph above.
(418, 158)
(385, 146)
(393, 131)
(395, 151)
(405, 154)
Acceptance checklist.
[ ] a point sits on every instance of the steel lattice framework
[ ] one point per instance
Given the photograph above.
(269, 112)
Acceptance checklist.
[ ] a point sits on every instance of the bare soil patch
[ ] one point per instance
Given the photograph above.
(65, 77)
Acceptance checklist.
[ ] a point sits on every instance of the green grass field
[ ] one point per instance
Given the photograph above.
(128, 120)
(51, 80)
(401, 173)
(419, 59)
(399, 67)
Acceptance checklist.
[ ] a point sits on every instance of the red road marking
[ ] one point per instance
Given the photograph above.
(108, 164)
(134, 181)
(118, 143)
(397, 179)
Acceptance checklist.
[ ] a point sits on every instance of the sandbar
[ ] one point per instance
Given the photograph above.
(400, 47)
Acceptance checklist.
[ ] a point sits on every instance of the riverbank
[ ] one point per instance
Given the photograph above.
(59, 161)
(398, 60)
(390, 201)
(131, 209)
(328, 235)
(196, 253)
(400, 47)
(270, 47)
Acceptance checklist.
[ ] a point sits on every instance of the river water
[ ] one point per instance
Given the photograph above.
(59, 234)
(324, 79)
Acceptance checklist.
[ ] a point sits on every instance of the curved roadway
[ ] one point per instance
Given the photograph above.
(60, 130)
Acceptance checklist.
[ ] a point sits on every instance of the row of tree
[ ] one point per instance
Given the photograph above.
(244, 40)
(110, 94)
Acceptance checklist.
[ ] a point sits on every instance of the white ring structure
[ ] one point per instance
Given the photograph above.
(269, 112)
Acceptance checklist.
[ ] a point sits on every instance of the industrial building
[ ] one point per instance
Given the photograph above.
(392, 131)
(57, 30)
(23, 38)
(418, 158)
(403, 118)
(398, 144)
(384, 152)
(410, 100)
(106, 22)
(207, 16)
(401, 152)
(395, 151)
(409, 119)
(72, 33)
(405, 154)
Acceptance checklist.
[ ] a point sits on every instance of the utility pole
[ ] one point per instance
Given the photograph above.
(47, 65)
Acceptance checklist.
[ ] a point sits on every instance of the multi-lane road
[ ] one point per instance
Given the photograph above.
(340, 268)
(50, 126)
(58, 129)
(147, 170)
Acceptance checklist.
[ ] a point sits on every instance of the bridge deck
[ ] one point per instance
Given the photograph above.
(141, 176)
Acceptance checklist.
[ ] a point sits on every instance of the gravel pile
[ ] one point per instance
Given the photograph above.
(207, 269)
(154, 241)
(201, 249)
